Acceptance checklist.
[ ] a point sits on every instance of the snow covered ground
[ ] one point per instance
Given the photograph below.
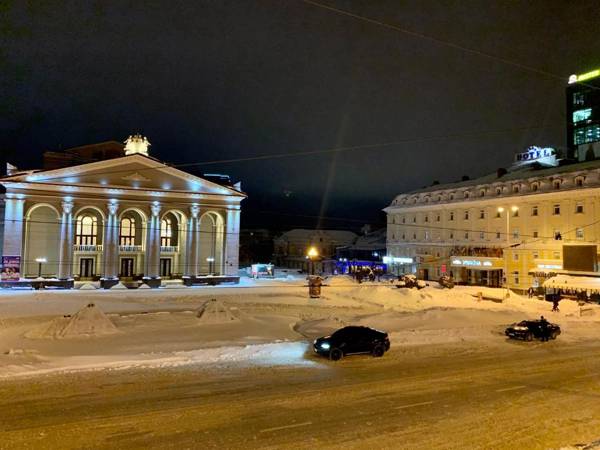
(273, 323)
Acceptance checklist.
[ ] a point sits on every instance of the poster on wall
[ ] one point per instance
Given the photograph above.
(10, 268)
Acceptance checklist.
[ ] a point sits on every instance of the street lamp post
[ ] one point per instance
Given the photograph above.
(311, 254)
(210, 261)
(514, 209)
(40, 261)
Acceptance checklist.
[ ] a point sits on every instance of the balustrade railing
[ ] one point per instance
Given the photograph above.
(130, 248)
(169, 249)
(87, 248)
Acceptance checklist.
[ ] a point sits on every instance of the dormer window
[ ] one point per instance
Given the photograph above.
(466, 195)
(482, 193)
(451, 196)
(556, 184)
(579, 181)
(535, 186)
(516, 189)
(498, 191)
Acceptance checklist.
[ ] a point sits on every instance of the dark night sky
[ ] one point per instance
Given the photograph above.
(212, 80)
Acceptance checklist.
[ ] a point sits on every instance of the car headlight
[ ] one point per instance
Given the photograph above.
(325, 345)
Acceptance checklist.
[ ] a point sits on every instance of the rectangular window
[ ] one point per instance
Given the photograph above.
(516, 233)
(466, 235)
(451, 235)
(498, 215)
(466, 215)
(579, 233)
(586, 135)
(579, 208)
(535, 233)
(556, 255)
(497, 235)
(426, 218)
(451, 218)
(437, 218)
(427, 235)
(482, 214)
(516, 277)
(534, 210)
(515, 256)
(536, 255)
(515, 213)
(481, 235)
(556, 210)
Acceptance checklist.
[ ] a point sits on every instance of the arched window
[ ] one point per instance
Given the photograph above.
(127, 231)
(166, 232)
(86, 230)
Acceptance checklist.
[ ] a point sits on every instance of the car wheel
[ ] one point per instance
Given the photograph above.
(553, 335)
(378, 351)
(335, 354)
(529, 337)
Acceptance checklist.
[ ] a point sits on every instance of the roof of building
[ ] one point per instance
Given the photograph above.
(532, 171)
(339, 236)
(370, 241)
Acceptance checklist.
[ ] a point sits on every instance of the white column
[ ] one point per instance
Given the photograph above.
(111, 243)
(153, 243)
(13, 227)
(232, 242)
(65, 264)
(191, 243)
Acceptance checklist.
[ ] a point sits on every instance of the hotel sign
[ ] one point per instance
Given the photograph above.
(542, 155)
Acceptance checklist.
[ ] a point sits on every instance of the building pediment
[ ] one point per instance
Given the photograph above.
(130, 173)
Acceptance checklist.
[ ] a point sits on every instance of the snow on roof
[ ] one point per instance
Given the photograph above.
(515, 174)
(574, 283)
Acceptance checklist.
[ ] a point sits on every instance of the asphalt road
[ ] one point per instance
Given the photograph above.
(512, 395)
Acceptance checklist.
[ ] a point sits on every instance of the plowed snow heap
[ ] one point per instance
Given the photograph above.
(88, 322)
(215, 311)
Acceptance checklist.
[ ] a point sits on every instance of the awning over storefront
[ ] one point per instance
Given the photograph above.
(477, 262)
(579, 284)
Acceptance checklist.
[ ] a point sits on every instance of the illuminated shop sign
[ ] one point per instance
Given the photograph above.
(397, 260)
(584, 76)
(549, 266)
(471, 263)
(541, 155)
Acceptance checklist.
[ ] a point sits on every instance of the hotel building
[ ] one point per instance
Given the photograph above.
(509, 224)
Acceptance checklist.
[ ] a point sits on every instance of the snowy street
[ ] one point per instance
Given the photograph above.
(173, 368)
(535, 396)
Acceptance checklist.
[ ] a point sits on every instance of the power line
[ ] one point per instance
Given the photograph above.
(293, 154)
(439, 41)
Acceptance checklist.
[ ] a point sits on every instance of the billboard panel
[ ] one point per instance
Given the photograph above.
(11, 268)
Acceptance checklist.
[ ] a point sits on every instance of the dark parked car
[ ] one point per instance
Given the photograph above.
(352, 340)
(530, 329)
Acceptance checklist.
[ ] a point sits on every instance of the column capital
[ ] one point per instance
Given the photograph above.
(155, 208)
(67, 206)
(112, 208)
(195, 210)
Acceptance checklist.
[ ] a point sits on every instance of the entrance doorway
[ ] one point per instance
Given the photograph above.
(165, 267)
(126, 267)
(86, 267)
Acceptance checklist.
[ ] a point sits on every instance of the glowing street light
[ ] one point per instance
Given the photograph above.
(210, 261)
(311, 254)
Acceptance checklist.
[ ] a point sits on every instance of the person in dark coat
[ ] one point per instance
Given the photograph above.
(555, 300)
(545, 329)
(530, 292)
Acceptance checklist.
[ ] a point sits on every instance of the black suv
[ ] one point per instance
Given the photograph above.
(352, 340)
(530, 329)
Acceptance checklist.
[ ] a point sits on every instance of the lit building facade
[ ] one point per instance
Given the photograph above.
(127, 218)
(583, 116)
(512, 223)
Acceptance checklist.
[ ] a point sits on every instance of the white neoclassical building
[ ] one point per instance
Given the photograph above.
(128, 218)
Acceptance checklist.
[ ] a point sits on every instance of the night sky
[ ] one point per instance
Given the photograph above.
(214, 80)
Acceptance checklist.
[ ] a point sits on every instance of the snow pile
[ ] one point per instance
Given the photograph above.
(88, 322)
(215, 312)
(119, 286)
(144, 286)
(88, 287)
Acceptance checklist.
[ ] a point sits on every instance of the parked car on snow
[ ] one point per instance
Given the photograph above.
(410, 281)
(446, 281)
(530, 329)
(352, 340)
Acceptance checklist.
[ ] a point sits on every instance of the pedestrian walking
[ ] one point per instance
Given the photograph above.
(555, 300)
(530, 292)
(545, 329)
